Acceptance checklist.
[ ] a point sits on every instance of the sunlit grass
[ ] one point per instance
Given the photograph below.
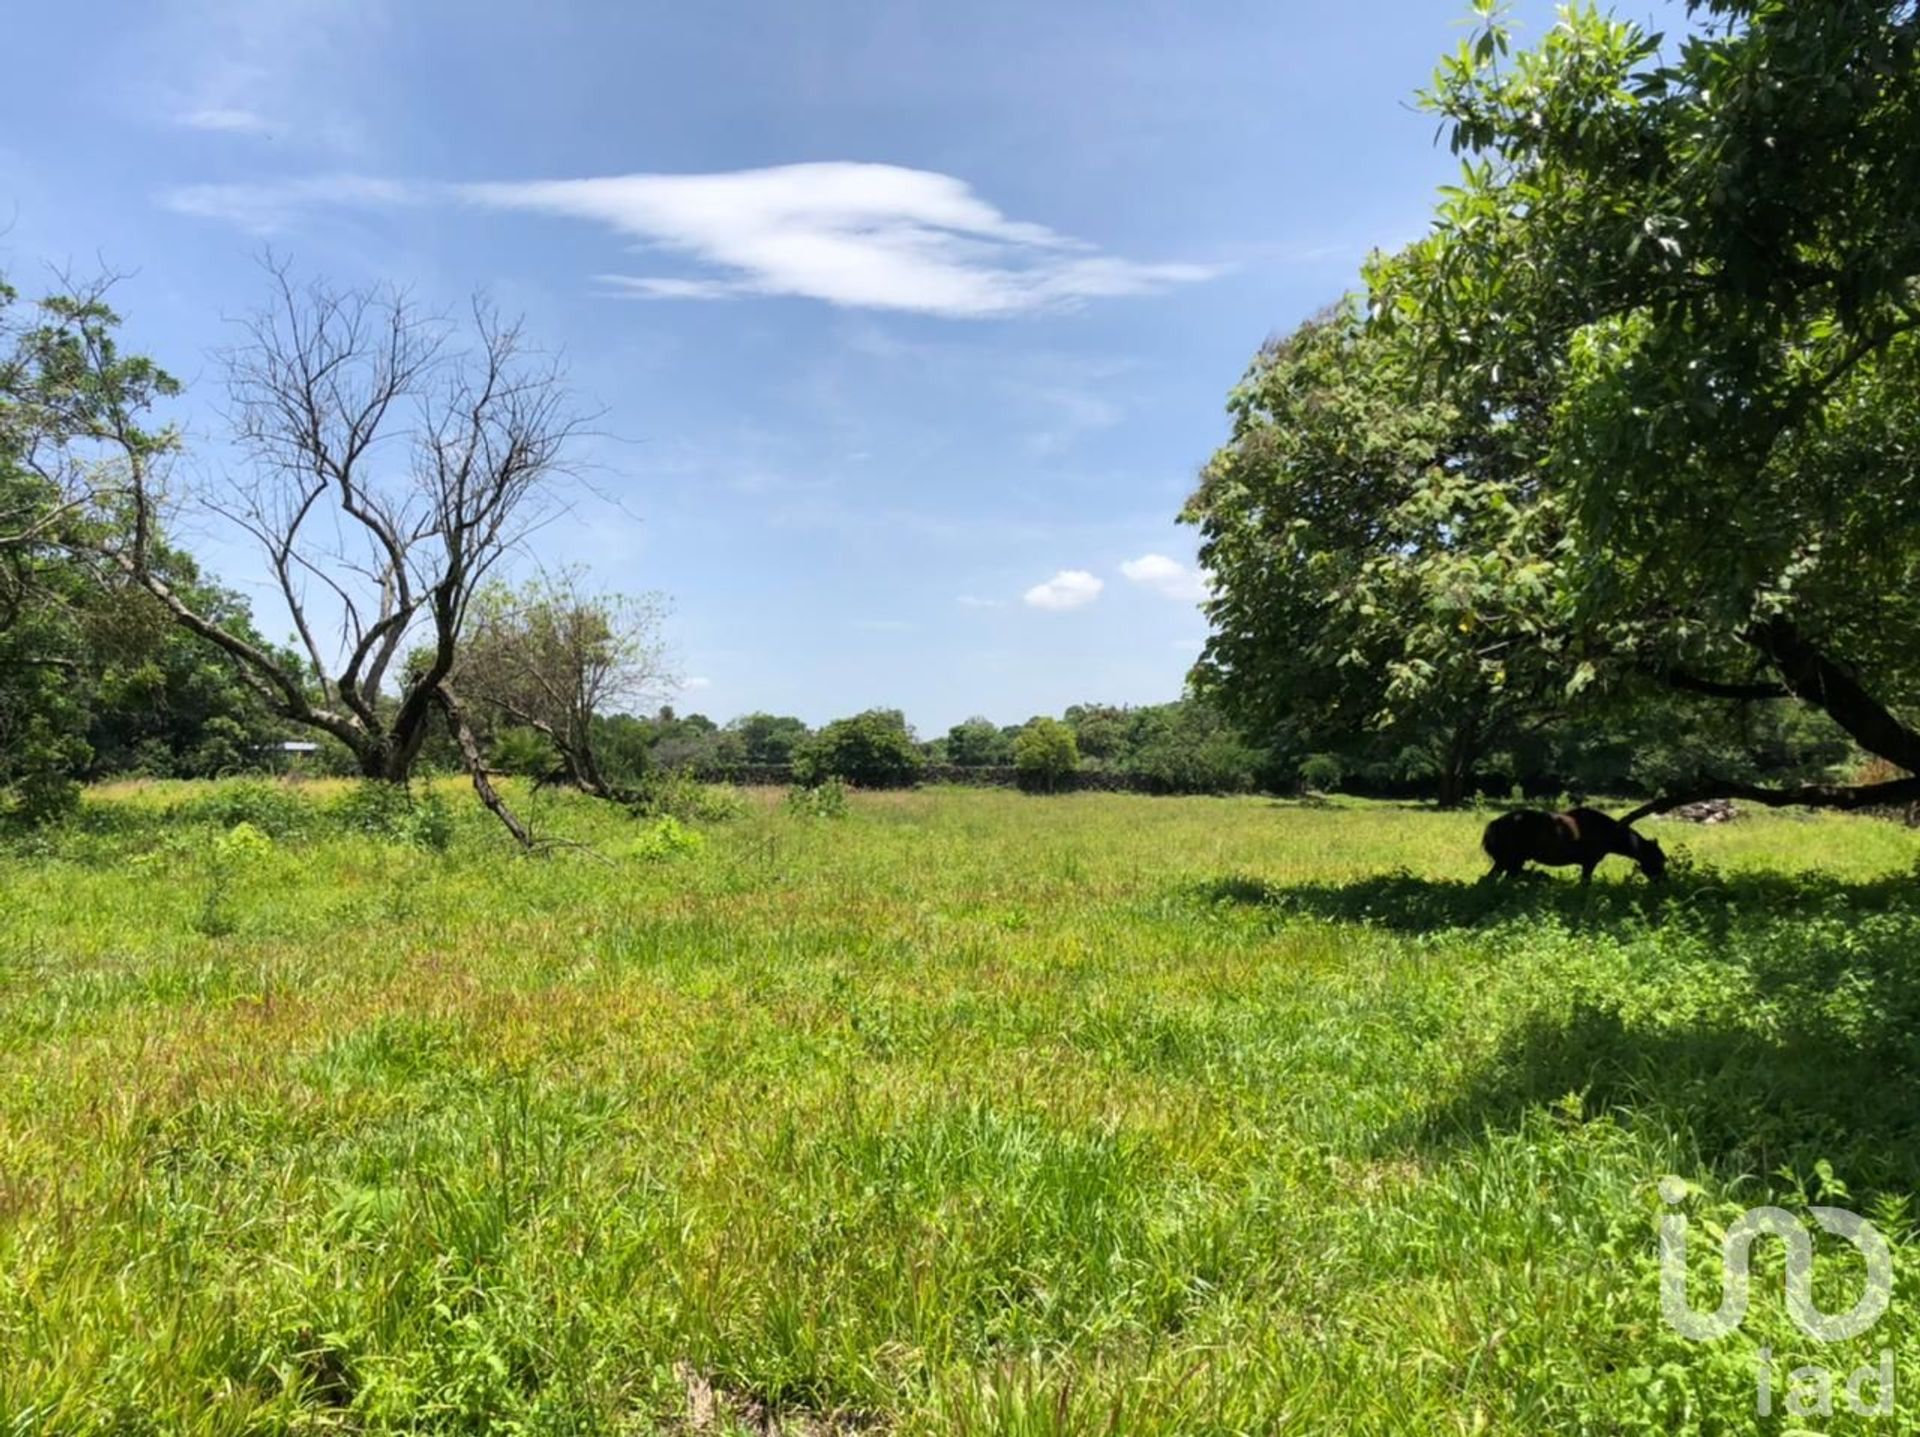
(970, 1111)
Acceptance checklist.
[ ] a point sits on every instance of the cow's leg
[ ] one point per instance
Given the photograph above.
(1586, 873)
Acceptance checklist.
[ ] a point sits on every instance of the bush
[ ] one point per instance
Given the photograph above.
(524, 751)
(1045, 753)
(1189, 747)
(1321, 772)
(393, 812)
(42, 767)
(870, 750)
(827, 799)
(230, 855)
(666, 837)
(677, 794)
(268, 807)
(44, 797)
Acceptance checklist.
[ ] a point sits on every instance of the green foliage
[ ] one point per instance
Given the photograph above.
(94, 678)
(1678, 282)
(1045, 754)
(1372, 575)
(270, 808)
(664, 838)
(676, 793)
(768, 738)
(874, 749)
(395, 812)
(230, 855)
(1321, 772)
(978, 743)
(524, 751)
(1191, 747)
(826, 799)
(1638, 411)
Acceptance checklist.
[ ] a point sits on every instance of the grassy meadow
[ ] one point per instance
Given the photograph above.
(963, 1112)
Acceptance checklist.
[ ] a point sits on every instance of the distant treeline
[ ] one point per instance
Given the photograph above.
(1188, 747)
(159, 708)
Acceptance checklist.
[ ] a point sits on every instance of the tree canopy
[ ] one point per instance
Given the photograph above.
(1641, 408)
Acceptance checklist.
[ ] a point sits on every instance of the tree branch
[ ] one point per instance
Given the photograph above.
(477, 768)
(1818, 795)
(1719, 689)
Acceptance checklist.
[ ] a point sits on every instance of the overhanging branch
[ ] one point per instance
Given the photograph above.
(1816, 795)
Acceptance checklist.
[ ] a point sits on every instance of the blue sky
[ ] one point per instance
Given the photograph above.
(909, 323)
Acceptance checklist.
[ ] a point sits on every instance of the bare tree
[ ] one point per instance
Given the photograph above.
(553, 656)
(391, 468)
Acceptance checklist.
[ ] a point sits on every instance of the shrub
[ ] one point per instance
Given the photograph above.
(1045, 753)
(977, 743)
(268, 807)
(870, 750)
(1321, 772)
(231, 854)
(666, 837)
(393, 812)
(675, 793)
(42, 764)
(826, 799)
(1189, 747)
(523, 751)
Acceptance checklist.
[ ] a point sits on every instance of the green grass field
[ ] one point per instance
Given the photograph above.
(964, 1112)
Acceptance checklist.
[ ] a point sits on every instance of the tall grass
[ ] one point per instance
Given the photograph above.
(964, 1112)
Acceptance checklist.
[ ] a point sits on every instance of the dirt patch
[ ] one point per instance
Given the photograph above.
(717, 1409)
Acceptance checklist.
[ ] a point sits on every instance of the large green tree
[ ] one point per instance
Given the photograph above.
(93, 676)
(1700, 264)
(1372, 574)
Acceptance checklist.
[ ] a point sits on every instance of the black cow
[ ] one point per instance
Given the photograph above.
(1581, 835)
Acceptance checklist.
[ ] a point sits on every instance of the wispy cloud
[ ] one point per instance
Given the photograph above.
(226, 120)
(1068, 589)
(1168, 577)
(293, 69)
(696, 683)
(265, 209)
(858, 235)
(974, 601)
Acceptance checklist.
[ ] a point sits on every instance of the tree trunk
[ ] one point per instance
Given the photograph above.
(1813, 677)
(1456, 772)
(477, 768)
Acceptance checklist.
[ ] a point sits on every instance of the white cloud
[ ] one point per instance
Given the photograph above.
(858, 235)
(1068, 589)
(974, 601)
(229, 120)
(696, 683)
(267, 208)
(1168, 577)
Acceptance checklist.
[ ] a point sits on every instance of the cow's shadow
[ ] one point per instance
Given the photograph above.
(1405, 902)
(1819, 1059)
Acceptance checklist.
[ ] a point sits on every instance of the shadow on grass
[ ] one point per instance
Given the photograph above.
(1753, 1100)
(1774, 1022)
(1406, 903)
